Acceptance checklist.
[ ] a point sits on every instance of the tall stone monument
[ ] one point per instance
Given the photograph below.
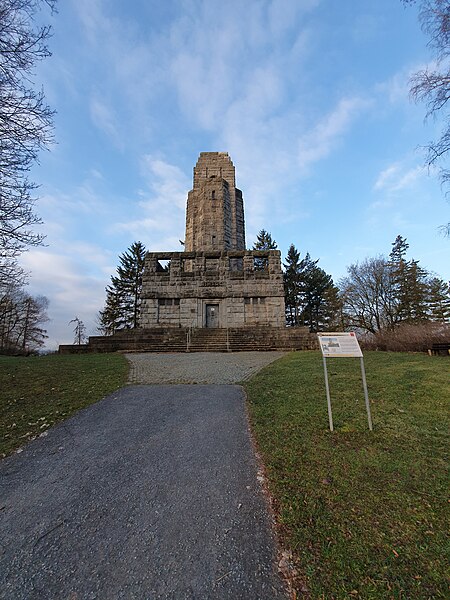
(215, 296)
(216, 282)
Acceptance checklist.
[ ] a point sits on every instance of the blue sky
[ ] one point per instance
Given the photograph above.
(309, 98)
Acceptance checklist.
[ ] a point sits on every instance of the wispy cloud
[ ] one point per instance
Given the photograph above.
(318, 143)
(396, 89)
(73, 291)
(162, 205)
(105, 119)
(397, 177)
(400, 195)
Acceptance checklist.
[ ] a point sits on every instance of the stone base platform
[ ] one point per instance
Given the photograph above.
(200, 340)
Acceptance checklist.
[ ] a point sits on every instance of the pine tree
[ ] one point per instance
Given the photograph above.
(292, 285)
(122, 307)
(110, 318)
(331, 316)
(398, 268)
(319, 295)
(409, 284)
(264, 241)
(417, 292)
(399, 249)
(310, 295)
(439, 300)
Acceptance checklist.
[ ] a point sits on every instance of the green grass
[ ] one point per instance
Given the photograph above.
(364, 514)
(37, 392)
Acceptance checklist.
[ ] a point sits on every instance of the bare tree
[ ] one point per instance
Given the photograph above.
(432, 84)
(368, 295)
(34, 313)
(382, 293)
(25, 123)
(21, 319)
(79, 331)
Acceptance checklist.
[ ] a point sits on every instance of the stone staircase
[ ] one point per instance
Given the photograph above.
(141, 340)
(200, 340)
(208, 340)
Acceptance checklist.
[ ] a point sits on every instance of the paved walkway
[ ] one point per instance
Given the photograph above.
(198, 367)
(151, 493)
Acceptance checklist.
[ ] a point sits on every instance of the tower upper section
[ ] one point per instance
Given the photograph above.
(215, 208)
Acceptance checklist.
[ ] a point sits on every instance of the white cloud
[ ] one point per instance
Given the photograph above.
(93, 18)
(104, 118)
(71, 288)
(162, 206)
(283, 14)
(232, 77)
(397, 177)
(219, 65)
(401, 196)
(396, 88)
(318, 143)
(63, 212)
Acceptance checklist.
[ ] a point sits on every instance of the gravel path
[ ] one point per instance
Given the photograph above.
(150, 494)
(198, 367)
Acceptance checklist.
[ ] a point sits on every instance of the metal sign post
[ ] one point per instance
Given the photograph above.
(366, 394)
(342, 345)
(327, 387)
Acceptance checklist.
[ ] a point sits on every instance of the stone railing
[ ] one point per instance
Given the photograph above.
(232, 264)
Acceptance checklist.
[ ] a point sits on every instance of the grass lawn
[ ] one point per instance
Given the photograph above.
(37, 392)
(364, 514)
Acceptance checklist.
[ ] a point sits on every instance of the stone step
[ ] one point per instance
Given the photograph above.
(201, 340)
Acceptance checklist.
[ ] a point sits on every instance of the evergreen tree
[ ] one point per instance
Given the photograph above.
(399, 249)
(417, 292)
(122, 307)
(311, 297)
(319, 296)
(264, 241)
(292, 285)
(110, 318)
(438, 300)
(409, 284)
(332, 316)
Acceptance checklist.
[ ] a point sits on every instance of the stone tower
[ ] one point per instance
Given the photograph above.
(215, 208)
(216, 296)
(215, 282)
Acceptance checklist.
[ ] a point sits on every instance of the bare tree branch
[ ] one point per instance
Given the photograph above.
(25, 122)
(432, 85)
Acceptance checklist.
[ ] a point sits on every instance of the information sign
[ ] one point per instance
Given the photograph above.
(339, 344)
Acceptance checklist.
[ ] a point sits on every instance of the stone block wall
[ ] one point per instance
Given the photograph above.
(241, 294)
(215, 207)
(215, 283)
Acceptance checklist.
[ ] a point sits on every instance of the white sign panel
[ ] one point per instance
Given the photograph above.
(339, 344)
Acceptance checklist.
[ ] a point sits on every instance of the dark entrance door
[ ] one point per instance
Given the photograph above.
(212, 315)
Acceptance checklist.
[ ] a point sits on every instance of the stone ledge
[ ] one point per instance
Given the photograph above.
(172, 339)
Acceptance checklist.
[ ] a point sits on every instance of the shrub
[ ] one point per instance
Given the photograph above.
(407, 338)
